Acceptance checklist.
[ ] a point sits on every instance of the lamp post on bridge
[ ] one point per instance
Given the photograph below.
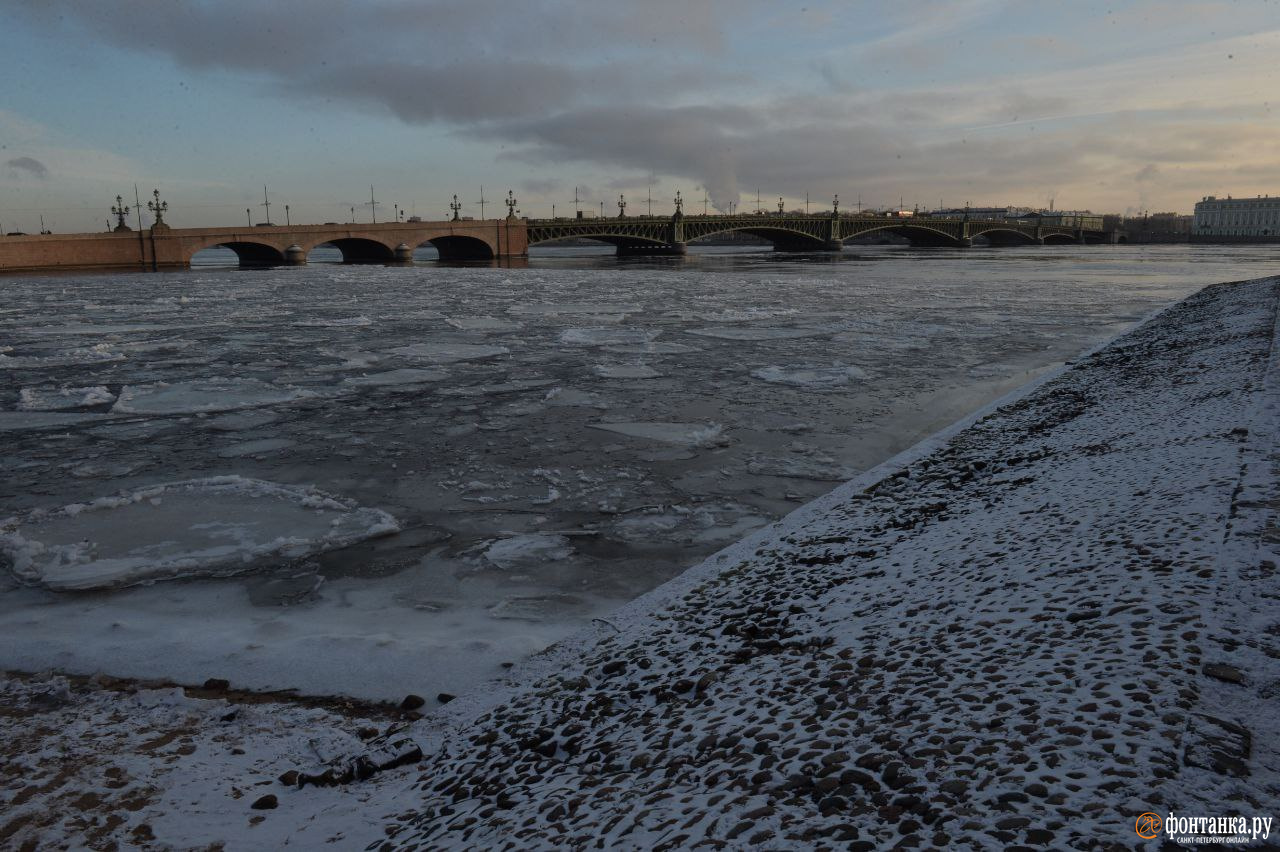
(835, 206)
(511, 205)
(622, 207)
(158, 207)
(455, 206)
(120, 210)
(780, 205)
(248, 214)
(679, 205)
(287, 223)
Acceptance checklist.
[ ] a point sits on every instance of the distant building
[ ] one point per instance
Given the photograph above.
(985, 214)
(1079, 219)
(1237, 219)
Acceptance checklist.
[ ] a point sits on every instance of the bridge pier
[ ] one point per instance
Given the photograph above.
(652, 250)
(404, 255)
(295, 256)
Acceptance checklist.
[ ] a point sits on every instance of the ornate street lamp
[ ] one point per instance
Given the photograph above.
(120, 210)
(158, 207)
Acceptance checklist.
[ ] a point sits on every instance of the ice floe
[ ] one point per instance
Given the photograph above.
(810, 377)
(597, 336)
(407, 376)
(525, 551)
(195, 528)
(497, 388)
(484, 323)
(339, 322)
(449, 353)
(686, 434)
(63, 399)
(651, 348)
(19, 421)
(625, 371)
(204, 395)
(263, 446)
(753, 333)
(99, 354)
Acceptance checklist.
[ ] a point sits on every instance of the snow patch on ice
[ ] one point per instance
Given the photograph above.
(196, 528)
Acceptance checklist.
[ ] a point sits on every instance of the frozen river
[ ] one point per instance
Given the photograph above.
(376, 481)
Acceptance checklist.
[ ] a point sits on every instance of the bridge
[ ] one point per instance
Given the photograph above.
(163, 247)
(824, 232)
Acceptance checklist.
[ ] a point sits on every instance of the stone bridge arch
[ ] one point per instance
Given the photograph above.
(459, 247)
(250, 252)
(356, 249)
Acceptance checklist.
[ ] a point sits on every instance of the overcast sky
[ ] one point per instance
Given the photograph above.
(1109, 106)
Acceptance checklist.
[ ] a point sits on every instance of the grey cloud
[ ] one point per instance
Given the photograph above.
(28, 166)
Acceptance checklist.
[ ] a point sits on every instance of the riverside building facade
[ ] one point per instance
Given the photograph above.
(1237, 219)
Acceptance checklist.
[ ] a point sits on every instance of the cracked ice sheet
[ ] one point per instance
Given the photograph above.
(199, 528)
(214, 394)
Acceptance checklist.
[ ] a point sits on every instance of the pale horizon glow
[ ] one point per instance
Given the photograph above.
(1117, 108)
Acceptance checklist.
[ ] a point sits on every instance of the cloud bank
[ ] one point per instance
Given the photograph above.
(865, 98)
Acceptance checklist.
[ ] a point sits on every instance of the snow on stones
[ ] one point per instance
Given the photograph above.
(197, 528)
